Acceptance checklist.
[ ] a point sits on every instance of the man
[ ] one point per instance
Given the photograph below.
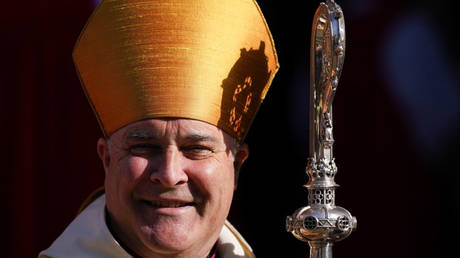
(175, 85)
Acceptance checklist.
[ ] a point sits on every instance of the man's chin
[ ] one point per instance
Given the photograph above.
(167, 239)
(174, 230)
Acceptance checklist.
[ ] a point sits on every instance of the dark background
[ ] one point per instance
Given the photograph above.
(396, 118)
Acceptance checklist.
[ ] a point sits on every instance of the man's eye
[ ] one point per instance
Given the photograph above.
(145, 150)
(197, 151)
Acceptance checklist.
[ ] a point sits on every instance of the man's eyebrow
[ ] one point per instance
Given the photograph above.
(141, 135)
(200, 138)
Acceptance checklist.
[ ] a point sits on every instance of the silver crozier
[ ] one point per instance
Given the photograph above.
(322, 223)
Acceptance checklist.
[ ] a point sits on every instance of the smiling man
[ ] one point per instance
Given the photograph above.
(169, 185)
(175, 85)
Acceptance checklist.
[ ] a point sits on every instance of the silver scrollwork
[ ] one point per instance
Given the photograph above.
(321, 223)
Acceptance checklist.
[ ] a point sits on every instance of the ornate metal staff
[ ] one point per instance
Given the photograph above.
(321, 223)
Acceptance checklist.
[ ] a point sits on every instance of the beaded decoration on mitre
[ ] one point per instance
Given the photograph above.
(209, 60)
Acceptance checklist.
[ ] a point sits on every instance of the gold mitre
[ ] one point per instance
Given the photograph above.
(210, 60)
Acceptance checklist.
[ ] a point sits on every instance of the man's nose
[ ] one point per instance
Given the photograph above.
(170, 171)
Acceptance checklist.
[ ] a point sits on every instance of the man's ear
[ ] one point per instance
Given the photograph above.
(240, 156)
(103, 152)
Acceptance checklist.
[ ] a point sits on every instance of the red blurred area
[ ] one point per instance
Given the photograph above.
(44, 118)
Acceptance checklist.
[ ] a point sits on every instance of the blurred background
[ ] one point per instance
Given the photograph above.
(396, 126)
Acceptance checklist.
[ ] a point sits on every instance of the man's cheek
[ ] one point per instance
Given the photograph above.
(134, 167)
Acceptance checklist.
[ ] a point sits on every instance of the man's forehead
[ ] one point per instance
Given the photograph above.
(158, 128)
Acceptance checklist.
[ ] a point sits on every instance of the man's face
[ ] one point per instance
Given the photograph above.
(169, 185)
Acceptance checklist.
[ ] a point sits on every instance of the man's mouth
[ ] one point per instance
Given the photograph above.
(168, 204)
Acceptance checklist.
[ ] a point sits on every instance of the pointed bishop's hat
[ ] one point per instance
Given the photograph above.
(210, 60)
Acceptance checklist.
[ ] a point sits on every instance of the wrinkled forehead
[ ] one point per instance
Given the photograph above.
(167, 129)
